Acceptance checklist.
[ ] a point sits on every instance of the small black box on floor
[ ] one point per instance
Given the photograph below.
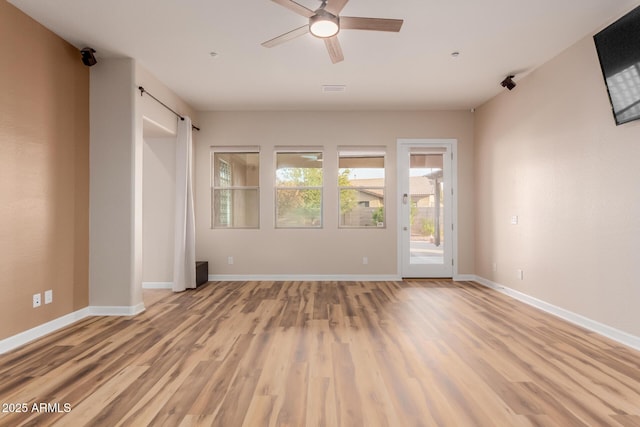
(202, 272)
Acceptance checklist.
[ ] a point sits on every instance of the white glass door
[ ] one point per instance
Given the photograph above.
(426, 209)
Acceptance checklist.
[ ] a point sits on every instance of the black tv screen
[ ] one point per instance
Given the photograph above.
(618, 48)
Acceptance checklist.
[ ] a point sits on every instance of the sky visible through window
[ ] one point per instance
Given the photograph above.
(364, 173)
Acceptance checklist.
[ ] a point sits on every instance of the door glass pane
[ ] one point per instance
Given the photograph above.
(426, 216)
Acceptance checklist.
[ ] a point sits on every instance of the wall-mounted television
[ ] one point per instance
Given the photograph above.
(618, 48)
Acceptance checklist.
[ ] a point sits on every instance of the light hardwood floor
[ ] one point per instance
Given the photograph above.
(411, 353)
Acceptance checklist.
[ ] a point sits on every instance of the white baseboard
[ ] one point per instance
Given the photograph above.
(40, 331)
(157, 285)
(319, 277)
(126, 310)
(304, 277)
(22, 338)
(464, 277)
(577, 319)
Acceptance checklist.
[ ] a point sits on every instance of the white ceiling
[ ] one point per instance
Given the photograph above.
(410, 70)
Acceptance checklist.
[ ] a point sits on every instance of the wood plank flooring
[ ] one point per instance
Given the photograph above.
(410, 353)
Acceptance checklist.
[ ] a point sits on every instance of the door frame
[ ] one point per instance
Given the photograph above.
(451, 146)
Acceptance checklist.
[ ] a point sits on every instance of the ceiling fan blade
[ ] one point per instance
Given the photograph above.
(287, 36)
(373, 24)
(334, 49)
(335, 6)
(295, 7)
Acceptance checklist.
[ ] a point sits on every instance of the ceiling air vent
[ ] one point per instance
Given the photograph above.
(333, 88)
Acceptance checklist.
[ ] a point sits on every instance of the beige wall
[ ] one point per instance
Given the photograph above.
(328, 251)
(550, 152)
(44, 167)
(158, 207)
(165, 121)
(113, 262)
(120, 118)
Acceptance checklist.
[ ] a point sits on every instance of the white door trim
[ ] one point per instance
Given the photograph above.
(452, 146)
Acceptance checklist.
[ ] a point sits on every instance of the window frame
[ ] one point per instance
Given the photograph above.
(213, 170)
(276, 187)
(362, 152)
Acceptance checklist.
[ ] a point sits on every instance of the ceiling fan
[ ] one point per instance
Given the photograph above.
(325, 23)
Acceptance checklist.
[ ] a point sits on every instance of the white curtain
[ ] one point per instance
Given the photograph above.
(184, 260)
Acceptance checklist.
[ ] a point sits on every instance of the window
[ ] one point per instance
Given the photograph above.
(361, 188)
(235, 193)
(299, 189)
(224, 197)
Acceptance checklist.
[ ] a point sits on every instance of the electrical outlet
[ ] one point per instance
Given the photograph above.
(365, 260)
(520, 274)
(230, 260)
(494, 267)
(514, 219)
(48, 296)
(36, 300)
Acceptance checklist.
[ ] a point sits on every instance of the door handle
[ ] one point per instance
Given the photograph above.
(405, 198)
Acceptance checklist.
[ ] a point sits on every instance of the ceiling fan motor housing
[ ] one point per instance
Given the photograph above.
(324, 24)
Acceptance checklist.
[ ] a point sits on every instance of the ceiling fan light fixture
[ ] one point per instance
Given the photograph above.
(324, 24)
